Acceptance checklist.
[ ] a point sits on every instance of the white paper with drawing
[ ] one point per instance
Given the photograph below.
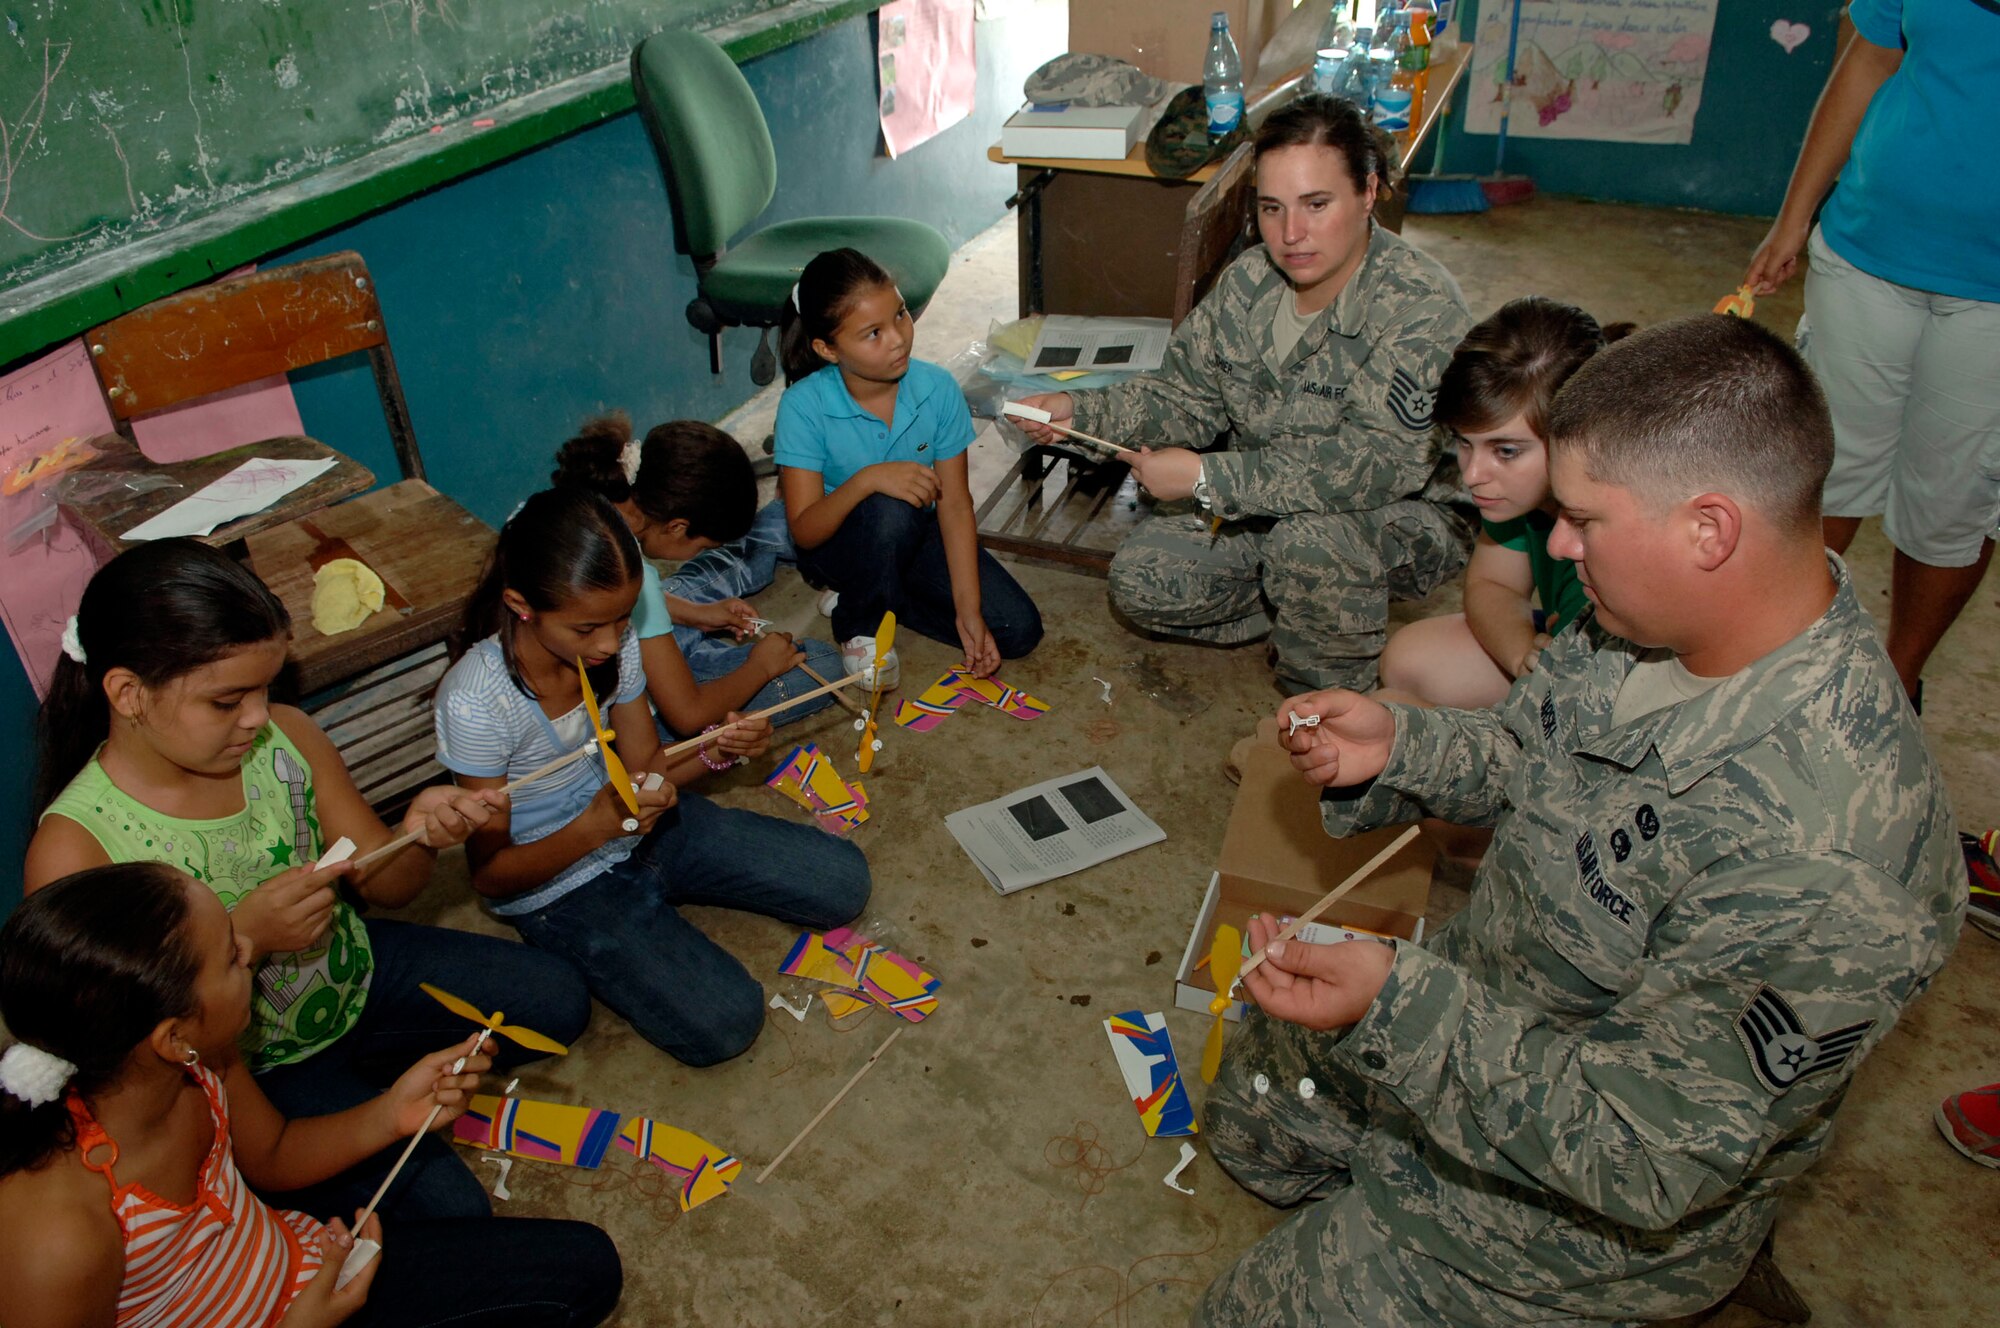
(1085, 345)
(251, 487)
(1052, 829)
(1620, 71)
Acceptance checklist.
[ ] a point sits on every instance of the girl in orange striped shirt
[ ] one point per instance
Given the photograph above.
(128, 1129)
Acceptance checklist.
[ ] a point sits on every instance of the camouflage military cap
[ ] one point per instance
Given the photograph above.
(1094, 80)
(1179, 144)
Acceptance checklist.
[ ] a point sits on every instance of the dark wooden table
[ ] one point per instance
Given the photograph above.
(105, 517)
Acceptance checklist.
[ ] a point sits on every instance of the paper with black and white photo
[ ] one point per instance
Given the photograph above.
(1092, 345)
(1051, 829)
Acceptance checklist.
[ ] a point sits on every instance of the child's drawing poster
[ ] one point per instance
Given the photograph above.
(1620, 71)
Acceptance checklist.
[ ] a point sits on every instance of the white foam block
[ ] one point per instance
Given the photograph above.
(653, 781)
(1027, 412)
(359, 1256)
(342, 850)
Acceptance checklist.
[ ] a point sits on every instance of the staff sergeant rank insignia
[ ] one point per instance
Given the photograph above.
(1781, 1051)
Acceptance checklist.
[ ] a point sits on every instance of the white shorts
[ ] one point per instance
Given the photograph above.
(1914, 382)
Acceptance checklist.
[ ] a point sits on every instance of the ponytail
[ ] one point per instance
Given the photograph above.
(825, 292)
(89, 967)
(594, 458)
(561, 542)
(687, 471)
(161, 610)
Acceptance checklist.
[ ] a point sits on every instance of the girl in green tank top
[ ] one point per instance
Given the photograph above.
(159, 742)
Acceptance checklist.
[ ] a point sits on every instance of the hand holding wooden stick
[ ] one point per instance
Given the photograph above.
(403, 841)
(1332, 897)
(1044, 419)
(759, 626)
(690, 744)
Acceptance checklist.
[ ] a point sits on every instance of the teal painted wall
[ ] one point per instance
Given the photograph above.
(527, 297)
(1755, 104)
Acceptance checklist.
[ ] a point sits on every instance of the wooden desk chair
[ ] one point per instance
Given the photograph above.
(721, 170)
(427, 549)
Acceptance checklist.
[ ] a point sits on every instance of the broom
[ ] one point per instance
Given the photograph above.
(1435, 194)
(1501, 188)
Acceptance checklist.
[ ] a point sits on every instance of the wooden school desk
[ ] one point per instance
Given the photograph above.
(104, 517)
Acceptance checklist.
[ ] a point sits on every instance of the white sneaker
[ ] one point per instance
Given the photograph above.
(827, 599)
(858, 656)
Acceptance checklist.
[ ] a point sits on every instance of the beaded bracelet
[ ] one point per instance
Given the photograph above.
(702, 752)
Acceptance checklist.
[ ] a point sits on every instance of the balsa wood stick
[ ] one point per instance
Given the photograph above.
(1331, 898)
(401, 842)
(867, 1065)
(1043, 418)
(458, 1067)
(848, 704)
(700, 738)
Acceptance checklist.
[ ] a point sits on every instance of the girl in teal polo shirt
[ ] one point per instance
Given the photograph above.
(871, 453)
(1494, 396)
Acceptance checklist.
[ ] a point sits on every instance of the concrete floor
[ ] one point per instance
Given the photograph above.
(931, 1195)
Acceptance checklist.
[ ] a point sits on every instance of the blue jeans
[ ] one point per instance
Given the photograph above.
(516, 1272)
(399, 1025)
(678, 989)
(737, 571)
(889, 555)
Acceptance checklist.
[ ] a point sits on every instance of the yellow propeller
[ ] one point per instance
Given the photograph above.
(1225, 956)
(526, 1037)
(614, 769)
(885, 639)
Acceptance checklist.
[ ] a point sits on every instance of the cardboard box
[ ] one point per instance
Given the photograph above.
(1277, 859)
(1169, 38)
(1088, 133)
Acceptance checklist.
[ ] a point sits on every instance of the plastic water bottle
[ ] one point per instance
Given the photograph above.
(1222, 79)
(1389, 105)
(1326, 69)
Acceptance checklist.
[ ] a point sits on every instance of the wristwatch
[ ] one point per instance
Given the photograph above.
(1201, 492)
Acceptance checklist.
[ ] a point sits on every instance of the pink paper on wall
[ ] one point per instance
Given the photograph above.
(56, 399)
(925, 69)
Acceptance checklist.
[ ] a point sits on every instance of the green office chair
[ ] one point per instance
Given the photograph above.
(715, 150)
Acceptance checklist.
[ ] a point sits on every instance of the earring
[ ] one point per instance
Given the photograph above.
(189, 1056)
(524, 617)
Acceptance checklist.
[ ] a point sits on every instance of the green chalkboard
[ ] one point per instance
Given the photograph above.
(150, 142)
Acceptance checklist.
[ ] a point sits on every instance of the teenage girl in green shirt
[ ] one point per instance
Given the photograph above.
(1494, 396)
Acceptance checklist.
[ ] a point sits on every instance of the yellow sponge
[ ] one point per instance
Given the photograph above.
(345, 593)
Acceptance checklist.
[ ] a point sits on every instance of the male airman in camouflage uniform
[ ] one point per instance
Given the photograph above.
(1580, 1101)
(1332, 492)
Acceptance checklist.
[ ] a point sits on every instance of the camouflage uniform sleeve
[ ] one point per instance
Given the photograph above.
(1180, 403)
(1766, 983)
(1454, 764)
(1375, 446)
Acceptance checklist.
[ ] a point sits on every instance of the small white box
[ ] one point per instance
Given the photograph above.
(1081, 133)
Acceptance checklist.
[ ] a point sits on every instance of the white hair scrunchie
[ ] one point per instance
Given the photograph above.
(35, 1076)
(628, 459)
(72, 641)
(796, 307)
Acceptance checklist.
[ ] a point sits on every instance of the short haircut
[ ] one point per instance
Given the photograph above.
(1702, 404)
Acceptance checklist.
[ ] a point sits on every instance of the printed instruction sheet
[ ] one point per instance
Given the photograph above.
(1051, 829)
(1090, 345)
